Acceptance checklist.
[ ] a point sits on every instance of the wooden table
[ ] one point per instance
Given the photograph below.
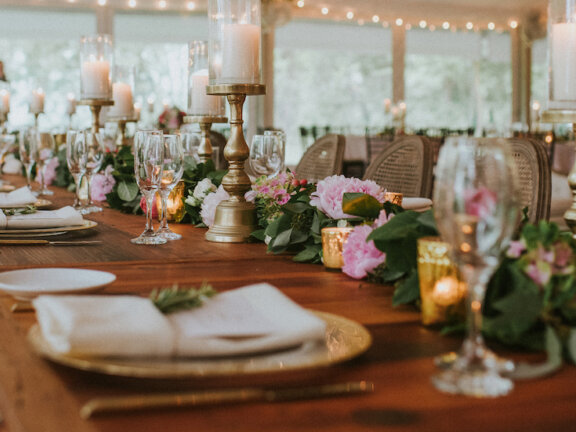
(38, 396)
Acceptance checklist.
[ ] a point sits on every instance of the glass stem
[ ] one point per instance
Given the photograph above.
(149, 203)
(476, 278)
(42, 168)
(78, 180)
(29, 175)
(88, 193)
(164, 200)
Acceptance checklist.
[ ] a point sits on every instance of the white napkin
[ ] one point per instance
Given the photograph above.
(63, 217)
(416, 204)
(251, 319)
(19, 197)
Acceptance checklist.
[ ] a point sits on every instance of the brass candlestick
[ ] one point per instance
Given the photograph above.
(561, 116)
(95, 107)
(3, 119)
(122, 121)
(205, 123)
(235, 218)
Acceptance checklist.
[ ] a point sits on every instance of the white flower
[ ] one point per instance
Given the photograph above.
(202, 189)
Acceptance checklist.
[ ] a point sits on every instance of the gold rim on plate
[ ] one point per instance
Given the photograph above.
(86, 225)
(345, 339)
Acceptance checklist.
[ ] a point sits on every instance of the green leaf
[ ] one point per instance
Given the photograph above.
(169, 300)
(127, 191)
(311, 253)
(361, 204)
(407, 290)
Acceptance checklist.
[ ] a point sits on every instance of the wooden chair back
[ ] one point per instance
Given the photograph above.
(406, 166)
(322, 159)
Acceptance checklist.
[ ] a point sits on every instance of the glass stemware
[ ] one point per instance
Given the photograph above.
(27, 150)
(91, 160)
(172, 171)
(45, 149)
(266, 155)
(148, 164)
(75, 162)
(7, 141)
(476, 213)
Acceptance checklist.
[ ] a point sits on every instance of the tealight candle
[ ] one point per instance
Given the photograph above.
(333, 239)
(37, 101)
(4, 101)
(394, 197)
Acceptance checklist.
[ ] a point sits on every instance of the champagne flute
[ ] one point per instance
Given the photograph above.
(75, 162)
(148, 163)
(7, 141)
(172, 171)
(92, 158)
(266, 155)
(27, 150)
(476, 213)
(45, 148)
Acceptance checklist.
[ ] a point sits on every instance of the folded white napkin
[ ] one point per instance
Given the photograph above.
(416, 204)
(251, 319)
(19, 197)
(63, 217)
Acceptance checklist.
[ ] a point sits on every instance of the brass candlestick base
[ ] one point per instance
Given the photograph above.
(122, 122)
(561, 116)
(95, 107)
(235, 218)
(205, 123)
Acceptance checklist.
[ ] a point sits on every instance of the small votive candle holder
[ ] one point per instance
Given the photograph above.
(442, 293)
(333, 239)
(394, 197)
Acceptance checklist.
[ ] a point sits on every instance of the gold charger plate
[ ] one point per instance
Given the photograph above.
(86, 225)
(344, 340)
(40, 203)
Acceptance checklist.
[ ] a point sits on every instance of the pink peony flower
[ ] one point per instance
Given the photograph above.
(360, 257)
(330, 192)
(382, 218)
(516, 248)
(154, 207)
(563, 255)
(480, 202)
(49, 171)
(102, 184)
(540, 272)
(210, 203)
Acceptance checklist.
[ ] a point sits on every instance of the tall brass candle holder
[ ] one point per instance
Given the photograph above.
(235, 218)
(95, 107)
(3, 120)
(565, 116)
(205, 123)
(122, 122)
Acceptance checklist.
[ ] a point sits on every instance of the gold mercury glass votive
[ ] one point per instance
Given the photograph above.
(394, 197)
(174, 204)
(333, 239)
(441, 291)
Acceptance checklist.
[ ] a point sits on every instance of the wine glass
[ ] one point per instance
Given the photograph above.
(7, 141)
(92, 156)
(266, 155)
(172, 171)
(75, 162)
(476, 213)
(148, 164)
(27, 150)
(45, 149)
(280, 135)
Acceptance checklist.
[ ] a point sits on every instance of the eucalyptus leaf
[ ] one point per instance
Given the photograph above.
(127, 191)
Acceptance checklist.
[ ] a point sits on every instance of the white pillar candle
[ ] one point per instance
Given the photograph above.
(137, 110)
(70, 104)
(95, 79)
(240, 53)
(123, 103)
(4, 101)
(200, 102)
(150, 101)
(563, 61)
(37, 101)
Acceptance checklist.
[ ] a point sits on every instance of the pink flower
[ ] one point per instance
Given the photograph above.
(49, 171)
(102, 184)
(539, 272)
(360, 257)
(330, 192)
(210, 203)
(382, 218)
(516, 248)
(143, 206)
(563, 255)
(480, 202)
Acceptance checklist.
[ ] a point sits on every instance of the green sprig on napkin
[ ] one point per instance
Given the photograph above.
(173, 299)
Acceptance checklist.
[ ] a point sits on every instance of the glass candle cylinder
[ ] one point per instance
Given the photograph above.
(442, 294)
(96, 65)
(562, 54)
(333, 240)
(235, 41)
(122, 92)
(200, 103)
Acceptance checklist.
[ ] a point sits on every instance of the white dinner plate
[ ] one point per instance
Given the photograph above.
(29, 283)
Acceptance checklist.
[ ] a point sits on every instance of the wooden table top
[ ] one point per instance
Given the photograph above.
(38, 396)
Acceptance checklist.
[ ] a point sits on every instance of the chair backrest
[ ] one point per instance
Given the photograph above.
(375, 144)
(534, 176)
(406, 166)
(322, 159)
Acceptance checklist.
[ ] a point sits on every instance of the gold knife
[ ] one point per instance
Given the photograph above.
(48, 242)
(216, 397)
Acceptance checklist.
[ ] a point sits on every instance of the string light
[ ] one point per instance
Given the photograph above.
(375, 19)
(325, 11)
(350, 15)
(132, 4)
(162, 4)
(491, 26)
(300, 3)
(422, 24)
(469, 25)
(445, 25)
(102, 2)
(191, 5)
(399, 22)
(513, 24)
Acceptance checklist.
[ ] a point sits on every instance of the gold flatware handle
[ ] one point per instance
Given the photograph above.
(216, 397)
(22, 306)
(48, 242)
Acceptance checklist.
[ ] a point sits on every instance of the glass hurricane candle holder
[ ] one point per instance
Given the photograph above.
(122, 93)
(235, 41)
(200, 103)
(442, 293)
(333, 239)
(96, 65)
